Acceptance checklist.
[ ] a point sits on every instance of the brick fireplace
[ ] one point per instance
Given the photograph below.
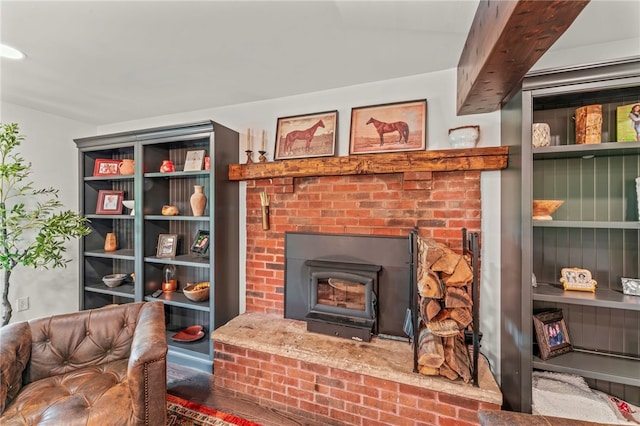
(341, 381)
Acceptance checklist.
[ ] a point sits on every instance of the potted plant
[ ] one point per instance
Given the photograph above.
(33, 226)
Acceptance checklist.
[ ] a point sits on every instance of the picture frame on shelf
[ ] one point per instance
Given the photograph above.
(305, 136)
(628, 122)
(194, 160)
(200, 244)
(577, 279)
(109, 202)
(167, 245)
(391, 127)
(551, 334)
(106, 167)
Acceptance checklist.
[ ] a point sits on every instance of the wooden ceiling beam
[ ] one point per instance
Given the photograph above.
(505, 40)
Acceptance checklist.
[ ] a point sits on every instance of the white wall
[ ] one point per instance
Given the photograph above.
(49, 146)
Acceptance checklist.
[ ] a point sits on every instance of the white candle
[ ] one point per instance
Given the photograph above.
(249, 139)
(262, 143)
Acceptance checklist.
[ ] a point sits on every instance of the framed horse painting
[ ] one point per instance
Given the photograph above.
(303, 136)
(392, 127)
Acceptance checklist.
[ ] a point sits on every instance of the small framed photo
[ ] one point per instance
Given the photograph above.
(390, 127)
(106, 167)
(167, 245)
(304, 136)
(551, 334)
(577, 279)
(200, 244)
(109, 202)
(194, 160)
(628, 123)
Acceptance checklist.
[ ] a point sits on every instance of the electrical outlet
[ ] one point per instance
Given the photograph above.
(23, 303)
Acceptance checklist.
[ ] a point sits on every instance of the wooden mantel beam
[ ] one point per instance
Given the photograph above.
(505, 40)
(490, 158)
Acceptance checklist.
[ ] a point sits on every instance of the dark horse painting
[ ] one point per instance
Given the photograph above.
(399, 126)
(304, 135)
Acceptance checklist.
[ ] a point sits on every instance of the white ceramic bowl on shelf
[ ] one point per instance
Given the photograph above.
(129, 204)
(113, 280)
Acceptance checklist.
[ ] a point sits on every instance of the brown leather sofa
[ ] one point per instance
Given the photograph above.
(104, 366)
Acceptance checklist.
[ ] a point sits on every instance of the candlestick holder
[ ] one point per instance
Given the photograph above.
(249, 156)
(262, 158)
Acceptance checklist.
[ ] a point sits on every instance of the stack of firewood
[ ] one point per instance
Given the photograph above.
(444, 282)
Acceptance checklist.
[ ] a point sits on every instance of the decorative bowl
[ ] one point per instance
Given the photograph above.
(129, 204)
(543, 209)
(464, 137)
(169, 210)
(113, 280)
(198, 292)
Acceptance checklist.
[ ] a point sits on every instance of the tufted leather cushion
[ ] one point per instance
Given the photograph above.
(15, 347)
(99, 367)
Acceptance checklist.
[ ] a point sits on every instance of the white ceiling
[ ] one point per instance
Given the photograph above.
(109, 61)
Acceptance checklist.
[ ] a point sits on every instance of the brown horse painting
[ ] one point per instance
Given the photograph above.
(304, 135)
(399, 126)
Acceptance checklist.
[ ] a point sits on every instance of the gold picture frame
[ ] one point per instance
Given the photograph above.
(305, 136)
(577, 279)
(393, 127)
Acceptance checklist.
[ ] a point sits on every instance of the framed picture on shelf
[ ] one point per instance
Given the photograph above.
(551, 334)
(200, 244)
(304, 136)
(392, 127)
(194, 160)
(106, 167)
(167, 245)
(628, 123)
(109, 202)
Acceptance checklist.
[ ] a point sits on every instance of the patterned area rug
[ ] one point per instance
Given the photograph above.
(181, 412)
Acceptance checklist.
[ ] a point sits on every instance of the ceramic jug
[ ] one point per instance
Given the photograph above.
(110, 243)
(126, 166)
(167, 166)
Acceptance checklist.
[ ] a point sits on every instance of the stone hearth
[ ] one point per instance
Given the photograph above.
(279, 364)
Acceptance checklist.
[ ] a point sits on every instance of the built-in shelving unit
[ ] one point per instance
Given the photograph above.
(597, 228)
(137, 234)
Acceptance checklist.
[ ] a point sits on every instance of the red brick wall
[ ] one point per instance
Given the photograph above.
(438, 203)
(336, 397)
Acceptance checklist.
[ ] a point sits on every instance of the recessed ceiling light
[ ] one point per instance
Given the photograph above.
(10, 52)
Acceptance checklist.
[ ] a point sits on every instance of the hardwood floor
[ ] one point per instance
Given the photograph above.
(197, 386)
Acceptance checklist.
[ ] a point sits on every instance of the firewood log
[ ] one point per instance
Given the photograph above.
(448, 372)
(429, 308)
(462, 274)
(430, 351)
(457, 298)
(432, 251)
(462, 360)
(429, 284)
(444, 328)
(428, 371)
(447, 262)
(462, 316)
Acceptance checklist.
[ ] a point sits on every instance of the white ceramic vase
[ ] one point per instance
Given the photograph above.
(464, 137)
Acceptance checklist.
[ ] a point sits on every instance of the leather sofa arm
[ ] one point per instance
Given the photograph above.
(15, 350)
(147, 369)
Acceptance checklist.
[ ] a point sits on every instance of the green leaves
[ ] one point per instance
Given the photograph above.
(33, 230)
